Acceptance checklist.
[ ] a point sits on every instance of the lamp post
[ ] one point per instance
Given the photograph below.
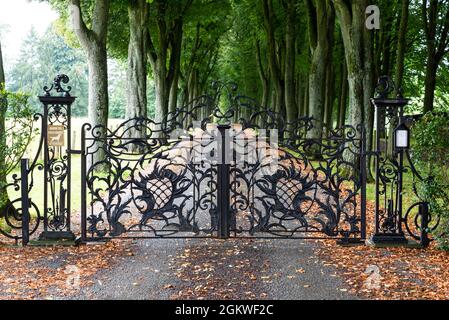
(389, 164)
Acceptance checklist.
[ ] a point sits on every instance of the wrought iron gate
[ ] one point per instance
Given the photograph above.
(222, 166)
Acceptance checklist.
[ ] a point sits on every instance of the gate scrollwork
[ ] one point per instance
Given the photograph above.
(161, 180)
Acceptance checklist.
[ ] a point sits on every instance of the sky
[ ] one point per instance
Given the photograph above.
(19, 16)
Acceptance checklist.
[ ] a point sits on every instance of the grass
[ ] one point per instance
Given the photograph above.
(37, 192)
(409, 197)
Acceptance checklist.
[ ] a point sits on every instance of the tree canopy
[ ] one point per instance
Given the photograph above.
(301, 57)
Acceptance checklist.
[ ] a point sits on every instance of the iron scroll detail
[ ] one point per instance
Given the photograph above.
(57, 86)
(162, 180)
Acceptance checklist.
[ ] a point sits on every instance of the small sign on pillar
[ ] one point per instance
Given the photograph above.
(55, 135)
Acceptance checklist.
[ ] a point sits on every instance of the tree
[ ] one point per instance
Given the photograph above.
(3, 108)
(319, 19)
(290, 61)
(136, 74)
(49, 50)
(93, 40)
(165, 49)
(15, 135)
(264, 75)
(274, 55)
(2, 75)
(358, 44)
(401, 44)
(206, 53)
(435, 17)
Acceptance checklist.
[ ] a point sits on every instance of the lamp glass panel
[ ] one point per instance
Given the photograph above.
(401, 139)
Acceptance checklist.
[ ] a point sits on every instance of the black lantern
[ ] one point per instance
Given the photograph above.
(401, 137)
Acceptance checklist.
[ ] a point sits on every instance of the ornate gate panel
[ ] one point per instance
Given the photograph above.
(236, 170)
(287, 183)
(148, 184)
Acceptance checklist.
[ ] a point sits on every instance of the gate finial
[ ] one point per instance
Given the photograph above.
(58, 87)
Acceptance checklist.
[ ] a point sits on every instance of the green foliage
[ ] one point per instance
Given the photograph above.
(415, 61)
(117, 91)
(431, 157)
(237, 62)
(40, 60)
(18, 129)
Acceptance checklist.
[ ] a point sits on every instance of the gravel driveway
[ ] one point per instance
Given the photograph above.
(215, 269)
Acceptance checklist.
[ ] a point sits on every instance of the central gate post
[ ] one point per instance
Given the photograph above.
(223, 182)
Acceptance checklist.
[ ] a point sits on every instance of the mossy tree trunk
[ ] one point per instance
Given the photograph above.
(3, 107)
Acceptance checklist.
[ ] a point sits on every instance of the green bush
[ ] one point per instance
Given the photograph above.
(16, 131)
(431, 158)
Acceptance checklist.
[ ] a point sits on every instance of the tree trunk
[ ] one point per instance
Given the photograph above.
(93, 42)
(173, 98)
(161, 104)
(386, 43)
(273, 58)
(352, 21)
(305, 104)
(265, 93)
(300, 92)
(368, 93)
(137, 65)
(330, 97)
(330, 74)
(158, 60)
(430, 83)
(2, 70)
(437, 44)
(3, 108)
(273, 99)
(400, 55)
(343, 103)
(192, 86)
(319, 28)
(166, 73)
(317, 85)
(175, 64)
(98, 89)
(264, 77)
(289, 71)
